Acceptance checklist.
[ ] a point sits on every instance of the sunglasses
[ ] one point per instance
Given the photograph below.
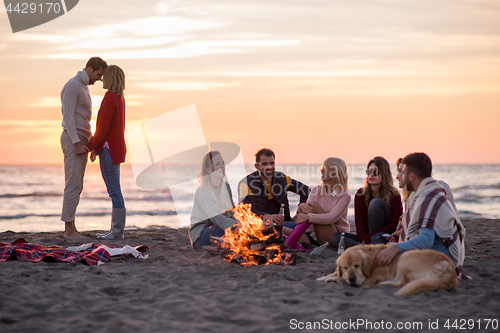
(326, 168)
(375, 172)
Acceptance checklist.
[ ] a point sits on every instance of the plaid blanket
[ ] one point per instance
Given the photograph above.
(430, 208)
(24, 251)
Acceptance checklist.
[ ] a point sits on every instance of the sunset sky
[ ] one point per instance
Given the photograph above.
(308, 79)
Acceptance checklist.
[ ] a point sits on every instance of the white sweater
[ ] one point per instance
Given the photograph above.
(77, 106)
(206, 212)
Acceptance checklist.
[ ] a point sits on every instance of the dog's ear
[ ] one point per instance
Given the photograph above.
(368, 262)
(339, 268)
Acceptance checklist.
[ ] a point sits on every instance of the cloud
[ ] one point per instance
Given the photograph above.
(51, 102)
(46, 102)
(29, 126)
(179, 86)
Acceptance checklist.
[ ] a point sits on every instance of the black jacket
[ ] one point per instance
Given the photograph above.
(253, 191)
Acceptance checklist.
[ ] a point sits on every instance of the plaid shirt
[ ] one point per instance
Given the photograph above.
(24, 251)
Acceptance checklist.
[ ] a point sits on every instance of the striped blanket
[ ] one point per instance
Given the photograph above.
(430, 208)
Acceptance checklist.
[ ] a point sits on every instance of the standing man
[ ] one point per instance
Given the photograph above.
(77, 112)
(431, 221)
(266, 189)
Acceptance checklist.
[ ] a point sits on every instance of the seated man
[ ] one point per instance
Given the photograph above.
(266, 189)
(406, 195)
(431, 222)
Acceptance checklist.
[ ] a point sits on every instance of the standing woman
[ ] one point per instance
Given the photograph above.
(325, 211)
(109, 143)
(212, 200)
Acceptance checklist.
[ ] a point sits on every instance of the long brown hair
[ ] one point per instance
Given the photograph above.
(387, 188)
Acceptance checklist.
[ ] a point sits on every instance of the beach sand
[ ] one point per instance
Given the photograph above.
(179, 289)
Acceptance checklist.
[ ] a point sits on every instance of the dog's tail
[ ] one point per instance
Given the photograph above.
(442, 275)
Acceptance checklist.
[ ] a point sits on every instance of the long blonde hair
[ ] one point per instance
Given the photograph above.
(341, 178)
(387, 188)
(224, 200)
(115, 80)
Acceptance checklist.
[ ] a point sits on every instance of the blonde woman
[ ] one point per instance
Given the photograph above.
(212, 200)
(109, 143)
(325, 211)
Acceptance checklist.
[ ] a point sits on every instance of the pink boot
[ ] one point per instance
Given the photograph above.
(291, 240)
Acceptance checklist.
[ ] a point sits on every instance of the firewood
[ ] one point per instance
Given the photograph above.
(269, 230)
(261, 260)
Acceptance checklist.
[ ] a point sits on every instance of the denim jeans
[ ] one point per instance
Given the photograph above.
(378, 239)
(204, 238)
(111, 175)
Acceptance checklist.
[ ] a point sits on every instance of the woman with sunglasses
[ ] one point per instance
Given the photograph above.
(377, 206)
(325, 211)
(212, 200)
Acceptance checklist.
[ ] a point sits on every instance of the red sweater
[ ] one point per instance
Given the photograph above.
(361, 215)
(110, 127)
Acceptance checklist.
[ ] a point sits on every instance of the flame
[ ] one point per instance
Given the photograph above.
(252, 241)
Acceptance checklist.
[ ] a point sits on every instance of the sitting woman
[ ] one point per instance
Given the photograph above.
(377, 206)
(325, 211)
(212, 200)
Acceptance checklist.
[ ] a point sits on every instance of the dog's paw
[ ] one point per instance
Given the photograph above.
(329, 278)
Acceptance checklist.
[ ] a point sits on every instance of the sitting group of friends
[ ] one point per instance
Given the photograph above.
(429, 219)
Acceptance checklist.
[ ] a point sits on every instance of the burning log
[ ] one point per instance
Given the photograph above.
(269, 230)
(261, 260)
(261, 245)
(271, 254)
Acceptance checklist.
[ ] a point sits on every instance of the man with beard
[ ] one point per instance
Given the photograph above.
(77, 113)
(431, 221)
(406, 195)
(266, 189)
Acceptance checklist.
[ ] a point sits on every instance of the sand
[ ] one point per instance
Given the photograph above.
(179, 289)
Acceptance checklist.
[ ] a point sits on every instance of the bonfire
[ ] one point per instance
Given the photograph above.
(252, 241)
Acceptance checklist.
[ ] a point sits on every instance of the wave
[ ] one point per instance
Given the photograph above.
(154, 198)
(478, 187)
(481, 199)
(156, 212)
(34, 194)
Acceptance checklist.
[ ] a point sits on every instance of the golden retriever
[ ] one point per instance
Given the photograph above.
(414, 270)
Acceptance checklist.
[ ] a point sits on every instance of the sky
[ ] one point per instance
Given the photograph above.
(308, 79)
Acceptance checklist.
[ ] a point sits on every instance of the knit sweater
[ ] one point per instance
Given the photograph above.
(206, 212)
(110, 128)
(335, 208)
(77, 106)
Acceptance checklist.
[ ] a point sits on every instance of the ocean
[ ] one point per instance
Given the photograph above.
(31, 195)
